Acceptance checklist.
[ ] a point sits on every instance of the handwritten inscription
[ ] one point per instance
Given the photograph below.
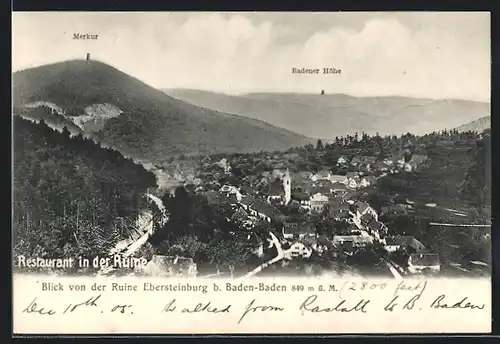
(266, 308)
(310, 305)
(347, 299)
(34, 308)
(441, 302)
(90, 302)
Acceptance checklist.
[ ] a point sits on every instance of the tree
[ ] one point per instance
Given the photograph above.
(230, 252)
(319, 146)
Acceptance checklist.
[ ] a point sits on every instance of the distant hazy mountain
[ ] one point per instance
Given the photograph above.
(141, 121)
(330, 115)
(478, 125)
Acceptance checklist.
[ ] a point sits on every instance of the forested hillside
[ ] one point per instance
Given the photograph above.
(150, 125)
(71, 196)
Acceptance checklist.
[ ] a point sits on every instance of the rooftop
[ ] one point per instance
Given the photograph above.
(262, 207)
(323, 174)
(300, 195)
(276, 188)
(337, 239)
(403, 240)
(425, 259)
(337, 178)
(362, 206)
(299, 228)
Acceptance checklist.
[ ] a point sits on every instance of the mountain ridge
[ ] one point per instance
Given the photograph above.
(333, 115)
(149, 122)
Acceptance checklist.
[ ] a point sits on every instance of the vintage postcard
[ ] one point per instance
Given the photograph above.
(251, 173)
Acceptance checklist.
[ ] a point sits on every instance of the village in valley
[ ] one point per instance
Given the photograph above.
(294, 217)
(290, 199)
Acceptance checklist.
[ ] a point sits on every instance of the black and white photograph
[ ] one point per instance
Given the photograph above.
(272, 143)
(238, 145)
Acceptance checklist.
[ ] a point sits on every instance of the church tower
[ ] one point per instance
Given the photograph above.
(287, 186)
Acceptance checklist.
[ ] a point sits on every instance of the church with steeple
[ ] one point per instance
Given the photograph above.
(287, 187)
(280, 191)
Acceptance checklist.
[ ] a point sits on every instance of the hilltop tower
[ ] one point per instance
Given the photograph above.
(88, 57)
(287, 186)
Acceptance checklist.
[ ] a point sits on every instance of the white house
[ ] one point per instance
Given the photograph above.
(229, 190)
(353, 183)
(319, 201)
(297, 250)
(418, 262)
(341, 161)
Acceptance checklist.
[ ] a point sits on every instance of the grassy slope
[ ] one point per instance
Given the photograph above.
(153, 124)
(327, 116)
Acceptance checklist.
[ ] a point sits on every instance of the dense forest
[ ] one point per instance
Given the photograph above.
(71, 196)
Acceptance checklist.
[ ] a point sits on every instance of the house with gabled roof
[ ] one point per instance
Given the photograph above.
(293, 230)
(303, 198)
(342, 160)
(338, 187)
(336, 178)
(319, 200)
(275, 191)
(363, 208)
(377, 229)
(366, 218)
(360, 209)
(349, 242)
(240, 215)
(424, 261)
(300, 249)
(354, 182)
(339, 209)
(257, 207)
(351, 174)
(409, 243)
(367, 181)
(321, 175)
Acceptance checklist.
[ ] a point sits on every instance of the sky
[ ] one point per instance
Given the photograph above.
(416, 54)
